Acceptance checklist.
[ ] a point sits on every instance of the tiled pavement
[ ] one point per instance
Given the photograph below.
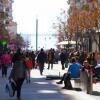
(42, 89)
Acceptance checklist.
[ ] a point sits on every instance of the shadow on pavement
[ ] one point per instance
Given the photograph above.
(77, 89)
(42, 89)
(96, 93)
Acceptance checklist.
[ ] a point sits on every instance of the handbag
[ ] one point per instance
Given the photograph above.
(10, 87)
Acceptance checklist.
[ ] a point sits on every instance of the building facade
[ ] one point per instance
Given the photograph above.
(89, 43)
(8, 28)
(83, 3)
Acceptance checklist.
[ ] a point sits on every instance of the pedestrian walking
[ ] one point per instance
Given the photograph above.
(41, 59)
(50, 58)
(63, 59)
(18, 74)
(32, 55)
(5, 62)
(3, 66)
(29, 66)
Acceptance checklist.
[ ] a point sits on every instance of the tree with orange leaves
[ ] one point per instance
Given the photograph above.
(85, 20)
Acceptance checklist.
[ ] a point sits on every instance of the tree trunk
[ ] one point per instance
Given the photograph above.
(90, 44)
(99, 42)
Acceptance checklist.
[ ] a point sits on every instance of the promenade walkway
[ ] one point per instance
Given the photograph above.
(42, 89)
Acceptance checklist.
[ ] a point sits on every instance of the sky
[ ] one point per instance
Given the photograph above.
(25, 13)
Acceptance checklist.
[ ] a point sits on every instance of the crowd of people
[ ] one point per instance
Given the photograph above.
(82, 65)
(22, 61)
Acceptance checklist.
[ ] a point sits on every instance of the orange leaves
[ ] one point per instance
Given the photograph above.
(80, 20)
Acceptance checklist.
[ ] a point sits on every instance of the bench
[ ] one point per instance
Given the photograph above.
(77, 82)
(84, 82)
(53, 77)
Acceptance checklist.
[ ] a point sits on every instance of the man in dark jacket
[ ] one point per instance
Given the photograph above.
(41, 59)
(63, 59)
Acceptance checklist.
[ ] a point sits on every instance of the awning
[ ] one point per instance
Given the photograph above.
(66, 42)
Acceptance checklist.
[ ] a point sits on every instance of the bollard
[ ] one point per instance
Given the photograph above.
(90, 84)
(86, 82)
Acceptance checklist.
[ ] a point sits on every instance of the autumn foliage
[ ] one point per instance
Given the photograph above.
(83, 19)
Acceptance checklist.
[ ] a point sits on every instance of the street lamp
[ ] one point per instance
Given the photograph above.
(36, 34)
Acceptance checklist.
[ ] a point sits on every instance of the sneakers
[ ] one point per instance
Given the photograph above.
(60, 82)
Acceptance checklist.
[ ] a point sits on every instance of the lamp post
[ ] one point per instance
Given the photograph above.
(36, 34)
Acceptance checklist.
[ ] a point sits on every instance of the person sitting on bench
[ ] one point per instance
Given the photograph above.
(73, 72)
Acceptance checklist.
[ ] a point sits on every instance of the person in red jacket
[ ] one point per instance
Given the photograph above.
(6, 62)
(86, 67)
